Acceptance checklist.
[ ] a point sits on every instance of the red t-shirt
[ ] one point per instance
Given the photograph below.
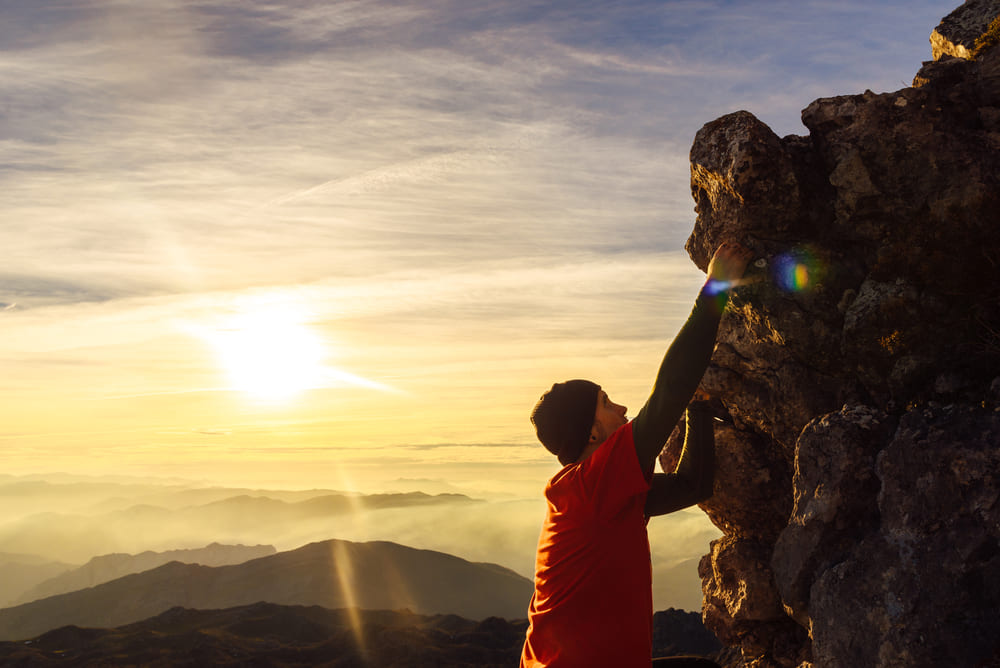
(593, 600)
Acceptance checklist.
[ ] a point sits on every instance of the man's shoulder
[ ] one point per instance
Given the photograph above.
(619, 444)
(621, 440)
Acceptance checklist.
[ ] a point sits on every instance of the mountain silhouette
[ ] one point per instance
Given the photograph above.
(266, 634)
(333, 574)
(113, 566)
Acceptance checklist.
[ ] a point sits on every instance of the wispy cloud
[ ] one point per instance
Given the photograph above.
(473, 199)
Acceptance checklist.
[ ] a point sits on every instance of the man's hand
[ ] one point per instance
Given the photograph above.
(729, 262)
(727, 266)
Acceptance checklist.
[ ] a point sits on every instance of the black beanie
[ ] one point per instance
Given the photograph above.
(564, 416)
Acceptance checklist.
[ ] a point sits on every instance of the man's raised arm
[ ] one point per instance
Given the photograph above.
(688, 356)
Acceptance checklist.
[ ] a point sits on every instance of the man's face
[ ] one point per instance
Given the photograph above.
(608, 417)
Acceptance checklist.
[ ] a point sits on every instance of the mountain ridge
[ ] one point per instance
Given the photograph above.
(332, 573)
(107, 567)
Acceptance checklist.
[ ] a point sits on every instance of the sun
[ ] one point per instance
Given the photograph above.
(270, 353)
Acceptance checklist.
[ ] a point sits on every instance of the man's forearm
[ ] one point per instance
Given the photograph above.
(693, 478)
(680, 372)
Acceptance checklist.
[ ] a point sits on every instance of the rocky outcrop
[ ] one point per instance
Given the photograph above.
(860, 372)
(959, 31)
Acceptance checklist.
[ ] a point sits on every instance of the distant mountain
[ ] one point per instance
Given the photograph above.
(678, 584)
(21, 572)
(333, 574)
(113, 566)
(263, 510)
(68, 536)
(92, 495)
(61, 492)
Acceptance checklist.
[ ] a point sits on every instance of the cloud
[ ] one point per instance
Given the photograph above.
(26, 291)
(497, 299)
(396, 134)
(473, 199)
(274, 33)
(374, 156)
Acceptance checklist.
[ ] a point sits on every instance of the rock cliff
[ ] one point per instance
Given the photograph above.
(860, 371)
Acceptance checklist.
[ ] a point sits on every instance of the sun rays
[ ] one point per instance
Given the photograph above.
(270, 354)
(270, 351)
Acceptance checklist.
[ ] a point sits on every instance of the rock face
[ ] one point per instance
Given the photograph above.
(858, 476)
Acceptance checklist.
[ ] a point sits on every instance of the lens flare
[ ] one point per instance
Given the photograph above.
(796, 271)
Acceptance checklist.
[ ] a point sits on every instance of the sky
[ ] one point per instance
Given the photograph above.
(348, 244)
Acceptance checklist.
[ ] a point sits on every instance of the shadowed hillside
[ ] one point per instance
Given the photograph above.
(269, 635)
(332, 574)
(265, 634)
(20, 572)
(113, 566)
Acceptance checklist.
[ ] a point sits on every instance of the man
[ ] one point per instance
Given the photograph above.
(593, 601)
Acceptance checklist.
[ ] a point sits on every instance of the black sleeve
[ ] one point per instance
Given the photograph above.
(680, 372)
(692, 480)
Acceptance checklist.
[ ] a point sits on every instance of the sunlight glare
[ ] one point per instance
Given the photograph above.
(270, 353)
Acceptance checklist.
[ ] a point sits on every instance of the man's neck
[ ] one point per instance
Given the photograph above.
(589, 450)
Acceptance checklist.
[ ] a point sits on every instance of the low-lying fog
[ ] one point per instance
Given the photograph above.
(50, 525)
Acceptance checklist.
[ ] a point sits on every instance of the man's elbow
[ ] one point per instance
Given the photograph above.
(702, 496)
(704, 490)
(698, 492)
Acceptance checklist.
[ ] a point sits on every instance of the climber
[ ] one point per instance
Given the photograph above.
(593, 601)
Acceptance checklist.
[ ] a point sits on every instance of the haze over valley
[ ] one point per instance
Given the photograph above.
(65, 533)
